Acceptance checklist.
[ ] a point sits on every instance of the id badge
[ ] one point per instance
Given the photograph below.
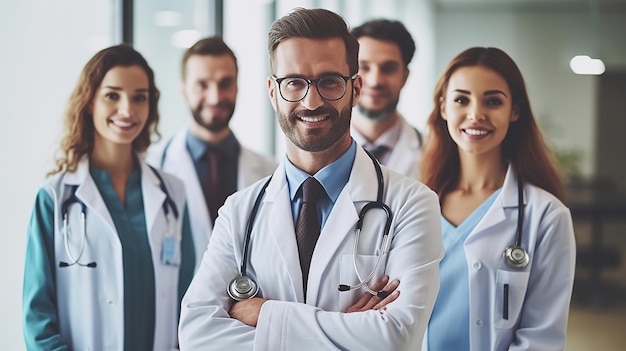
(168, 250)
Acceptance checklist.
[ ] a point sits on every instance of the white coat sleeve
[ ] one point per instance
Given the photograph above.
(543, 324)
(414, 257)
(205, 323)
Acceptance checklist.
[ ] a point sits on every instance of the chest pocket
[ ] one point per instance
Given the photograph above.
(510, 292)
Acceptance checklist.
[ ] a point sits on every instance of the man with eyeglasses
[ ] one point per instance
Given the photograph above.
(333, 251)
(386, 49)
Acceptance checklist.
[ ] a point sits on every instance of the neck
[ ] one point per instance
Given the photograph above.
(372, 129)
(209, 137)
(311, 162)
(481, 173)
(113, 158)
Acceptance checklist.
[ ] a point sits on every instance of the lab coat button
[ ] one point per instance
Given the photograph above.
(478, 265)
(111, 301)
(478, 323)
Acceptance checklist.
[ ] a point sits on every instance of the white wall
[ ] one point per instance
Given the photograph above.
(42, 55)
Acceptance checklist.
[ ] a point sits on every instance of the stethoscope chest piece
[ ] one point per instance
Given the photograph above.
(516, 257)
(242, 288)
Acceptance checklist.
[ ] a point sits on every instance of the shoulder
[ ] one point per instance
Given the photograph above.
(250, 155)
(408, 191)
(250, 191)
(172, 183)
(54, 184)
(157, 152)
(539, 198)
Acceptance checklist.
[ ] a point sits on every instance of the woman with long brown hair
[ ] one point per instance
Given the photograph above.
(507, 276)
(109, 251)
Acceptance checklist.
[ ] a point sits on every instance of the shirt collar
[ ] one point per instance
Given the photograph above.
(388, 138)
(333, 177)
(197, 147)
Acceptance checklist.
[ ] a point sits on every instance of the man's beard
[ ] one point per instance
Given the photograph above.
(379, 115)
(217, 124)
(341, 126)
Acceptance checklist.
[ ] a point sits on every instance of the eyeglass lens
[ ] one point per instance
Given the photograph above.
(329, 88)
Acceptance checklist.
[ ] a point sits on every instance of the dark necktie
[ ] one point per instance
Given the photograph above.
(213, 191)
(308, 225)
(379, 151)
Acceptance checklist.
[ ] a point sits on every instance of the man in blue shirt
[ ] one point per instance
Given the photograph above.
(362, 222)
(205, 154)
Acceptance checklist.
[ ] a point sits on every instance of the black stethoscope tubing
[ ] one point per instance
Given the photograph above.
(168, 205)
(516, 256)
(243, 287)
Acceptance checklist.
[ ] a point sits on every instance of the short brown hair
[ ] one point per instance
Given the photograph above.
(212, 46)
(313, 24)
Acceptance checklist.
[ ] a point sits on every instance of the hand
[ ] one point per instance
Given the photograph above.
(372, 302)
(247, 311)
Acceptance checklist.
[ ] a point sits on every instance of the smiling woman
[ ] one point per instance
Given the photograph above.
(107, 221)
(499, 188)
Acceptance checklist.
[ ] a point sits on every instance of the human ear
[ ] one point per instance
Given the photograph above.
(271, 91)
(442, 108)
(515, 114)
(357, 83)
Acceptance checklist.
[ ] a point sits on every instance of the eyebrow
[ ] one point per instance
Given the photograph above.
(487, 93)
(140, 90)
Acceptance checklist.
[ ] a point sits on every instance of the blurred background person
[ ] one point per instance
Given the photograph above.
(385, 51)
(109, 252)
(205, 154)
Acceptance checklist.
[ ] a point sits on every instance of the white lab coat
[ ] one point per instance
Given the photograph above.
(90, 302)
(178, 162)
(540, 293)
(405, 156)
(285, 321)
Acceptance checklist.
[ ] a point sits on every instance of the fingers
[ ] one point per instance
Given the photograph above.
(389, 296)
(380, 283)
(387, 293)
(365, 302)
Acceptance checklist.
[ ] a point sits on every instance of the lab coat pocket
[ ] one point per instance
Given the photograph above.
(348, 275)
(510, 292)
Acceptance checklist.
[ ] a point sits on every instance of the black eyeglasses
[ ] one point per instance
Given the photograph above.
(330, 88)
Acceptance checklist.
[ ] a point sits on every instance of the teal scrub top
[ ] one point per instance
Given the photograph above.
(42, 333)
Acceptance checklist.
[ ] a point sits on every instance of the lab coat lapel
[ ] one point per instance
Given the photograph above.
(182, 167)
(88, 193)
(339, 227)
(496, 214)
(153, 197)
(282, 228)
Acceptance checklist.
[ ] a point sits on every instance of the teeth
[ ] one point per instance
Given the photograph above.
(122, 123)
(475, 132)
(312, 119)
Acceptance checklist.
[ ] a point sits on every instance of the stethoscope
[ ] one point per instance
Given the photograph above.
(243, 287)
(169, 208)
(516, 256)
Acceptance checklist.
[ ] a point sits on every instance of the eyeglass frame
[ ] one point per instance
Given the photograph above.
(315, 81)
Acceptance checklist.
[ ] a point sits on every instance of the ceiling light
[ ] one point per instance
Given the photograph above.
(583, 64)
(185, 38)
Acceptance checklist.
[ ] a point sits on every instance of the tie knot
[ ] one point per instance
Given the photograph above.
(311, 190)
